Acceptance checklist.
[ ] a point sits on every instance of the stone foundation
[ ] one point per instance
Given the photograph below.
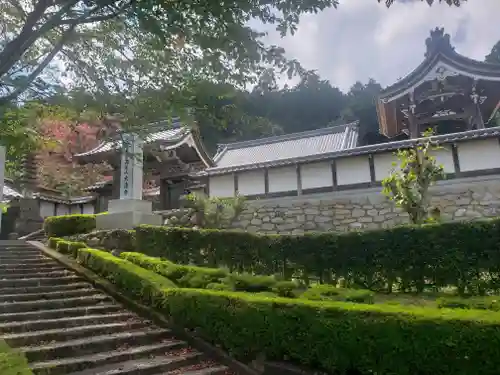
(457, 200)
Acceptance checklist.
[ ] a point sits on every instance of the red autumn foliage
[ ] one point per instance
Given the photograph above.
(57, 168)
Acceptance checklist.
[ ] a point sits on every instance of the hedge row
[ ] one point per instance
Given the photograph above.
(220, 279)
(465, 255)
(331, 336)
(67, 225)
(66, 247)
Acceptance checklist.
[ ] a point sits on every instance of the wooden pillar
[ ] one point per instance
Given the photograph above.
(163, 194)
(299, 179)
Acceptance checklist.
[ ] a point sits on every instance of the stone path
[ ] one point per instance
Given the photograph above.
(65, 326)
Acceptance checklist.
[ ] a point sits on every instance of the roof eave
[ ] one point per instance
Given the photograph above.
(358, 151)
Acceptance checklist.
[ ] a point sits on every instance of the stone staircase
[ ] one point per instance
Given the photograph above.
(65, 326)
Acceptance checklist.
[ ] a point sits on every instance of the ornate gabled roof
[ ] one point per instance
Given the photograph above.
(9, 193)
(284, 149)
(441, 61)
(172, 133)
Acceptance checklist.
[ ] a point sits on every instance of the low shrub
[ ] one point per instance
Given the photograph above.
(286, 289)
(63, 247)
(67, 225)
(325, 292)
(12, 362)
(181, 275)
(75, 246)
(219, 286)
(52, 243)
(335, 337)
(477, 303)
(251, 283)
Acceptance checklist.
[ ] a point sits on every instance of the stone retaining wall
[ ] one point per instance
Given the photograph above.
(461, 199)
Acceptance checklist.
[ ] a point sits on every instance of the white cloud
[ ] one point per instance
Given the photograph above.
(363, 39)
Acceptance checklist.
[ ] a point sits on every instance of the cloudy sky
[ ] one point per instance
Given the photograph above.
(363, 39)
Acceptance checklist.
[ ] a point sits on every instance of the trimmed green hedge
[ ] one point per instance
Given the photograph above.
(68, 225)
(53, 241)
(331, 336)
(12, 362)
(66, 247)
(464, 255)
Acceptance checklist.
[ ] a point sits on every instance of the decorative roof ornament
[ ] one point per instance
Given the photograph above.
(437, 42)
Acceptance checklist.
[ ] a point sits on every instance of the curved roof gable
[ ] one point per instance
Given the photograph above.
(174, 133)
(441, 61)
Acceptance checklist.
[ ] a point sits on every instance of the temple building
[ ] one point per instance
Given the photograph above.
(447, 92)
(173, 153)
(452, 94)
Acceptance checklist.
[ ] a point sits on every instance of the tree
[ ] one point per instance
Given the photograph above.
(408, 185)
(361, 106)
(430, 2)
(157, 43)
(61, 140)
(494, 56)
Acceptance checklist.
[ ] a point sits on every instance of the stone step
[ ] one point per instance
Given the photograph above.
(26, 260)
(20, 255)
(61, 313)
(42, 264)
(201, 369)
(75, 321)
(22, 297)
(146, 366)
(41, 274)
(36, 337)
(24, 251)
(95, 344)
(10, 283)
(59, 303)
(66, 365)
(34, 269)
(44, 289)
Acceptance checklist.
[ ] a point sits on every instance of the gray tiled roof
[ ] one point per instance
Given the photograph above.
(371, 149)
(285, 148)
(174, 133)
(9, 193)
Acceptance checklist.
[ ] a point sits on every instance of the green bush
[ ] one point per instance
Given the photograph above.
(67, 225)
(477, 303)
(219, 286)
(325, 292)
(285, 289)
(63, 247)
(52, 243)
(75, 246)
(335, 337)
(183, 276)
(411, 258)
(251, 283)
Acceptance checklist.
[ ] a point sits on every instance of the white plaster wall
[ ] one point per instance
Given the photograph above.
(444, 157)
(221, 186)
(75, 209)
(251, 182)
(88, 208)
(62, 209)
(353, 170)
(316, 175)
(282, 179)
(383, 164)
(479, 154)
(46, 209)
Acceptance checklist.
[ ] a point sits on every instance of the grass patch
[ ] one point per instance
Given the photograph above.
(12, 362)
